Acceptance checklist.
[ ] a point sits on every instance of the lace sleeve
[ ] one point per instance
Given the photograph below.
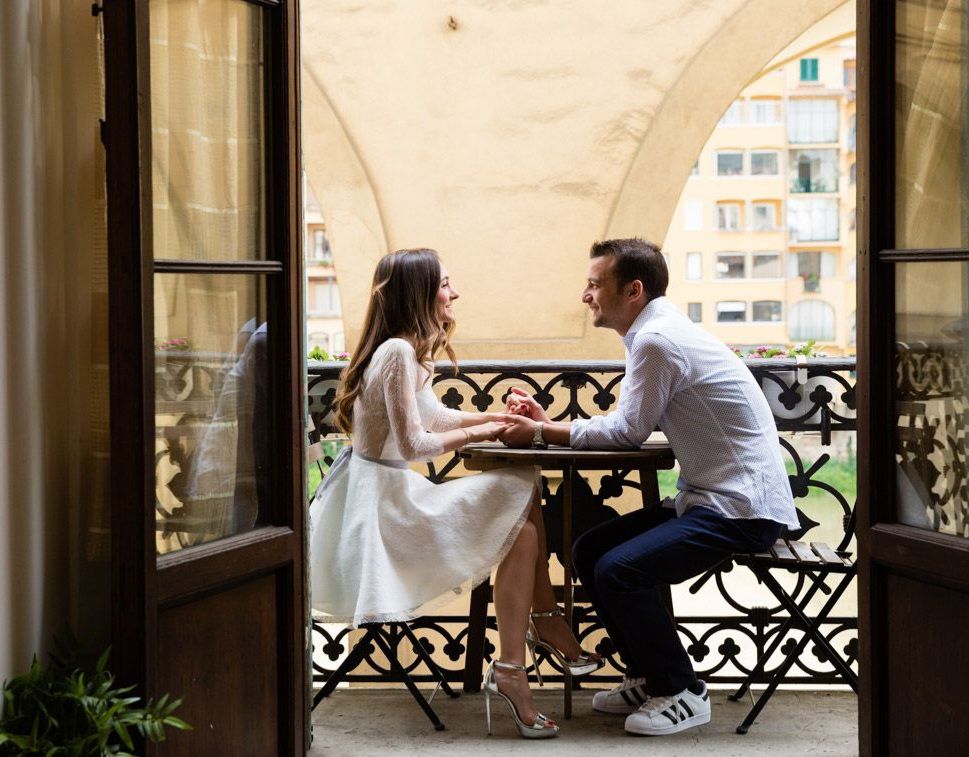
(446, 419)
(400, 394)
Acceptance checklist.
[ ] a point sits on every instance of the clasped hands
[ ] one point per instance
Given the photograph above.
(516, 426)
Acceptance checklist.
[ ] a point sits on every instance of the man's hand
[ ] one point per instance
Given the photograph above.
(521, 402)
(518, 433)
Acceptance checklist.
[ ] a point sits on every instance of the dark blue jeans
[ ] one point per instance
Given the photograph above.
(623, 561)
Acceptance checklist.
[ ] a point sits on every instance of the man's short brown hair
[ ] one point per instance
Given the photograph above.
(636, 259)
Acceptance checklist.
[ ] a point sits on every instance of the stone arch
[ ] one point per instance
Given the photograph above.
(346, 194)
(651, 189)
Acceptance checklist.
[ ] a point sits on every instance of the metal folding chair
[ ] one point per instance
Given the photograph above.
(387, 637)
(818, 563)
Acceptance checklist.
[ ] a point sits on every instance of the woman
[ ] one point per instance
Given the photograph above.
(386, 543)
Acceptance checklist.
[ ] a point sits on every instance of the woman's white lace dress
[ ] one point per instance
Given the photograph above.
(385, 543)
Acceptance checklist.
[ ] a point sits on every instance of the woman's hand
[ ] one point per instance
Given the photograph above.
(521, 402)
(485, 432)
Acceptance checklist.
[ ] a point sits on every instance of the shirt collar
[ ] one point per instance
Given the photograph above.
(652, 310)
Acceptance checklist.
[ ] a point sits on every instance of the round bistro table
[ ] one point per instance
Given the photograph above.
(650, 458)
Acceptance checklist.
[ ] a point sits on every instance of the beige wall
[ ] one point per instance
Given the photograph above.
(510, 137)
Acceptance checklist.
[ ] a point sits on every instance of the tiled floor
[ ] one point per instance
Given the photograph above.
(369, 722)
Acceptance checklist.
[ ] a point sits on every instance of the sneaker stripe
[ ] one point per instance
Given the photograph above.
(672, 717)
(643, 692)
(638, 695)
(686, 707)
(627, 698)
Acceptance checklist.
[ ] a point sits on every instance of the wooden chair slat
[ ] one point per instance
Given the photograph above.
(782, 552)
(803, 552)
(827, 555)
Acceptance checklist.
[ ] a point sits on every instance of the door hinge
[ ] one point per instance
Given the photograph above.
(103, 131)
(96, 9)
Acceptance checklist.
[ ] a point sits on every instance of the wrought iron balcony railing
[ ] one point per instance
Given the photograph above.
(729, 621)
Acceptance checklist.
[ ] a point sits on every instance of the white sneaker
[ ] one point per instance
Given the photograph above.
(660, 716)
(623, 699)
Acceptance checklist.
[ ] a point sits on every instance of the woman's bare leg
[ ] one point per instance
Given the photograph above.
(554, 630)
(512, 604)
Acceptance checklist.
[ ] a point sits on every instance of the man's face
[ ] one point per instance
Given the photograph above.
(603, 294)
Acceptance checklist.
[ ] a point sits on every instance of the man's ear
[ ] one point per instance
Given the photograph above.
(634, 289)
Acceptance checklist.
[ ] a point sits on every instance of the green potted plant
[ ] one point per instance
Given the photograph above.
(74, 709)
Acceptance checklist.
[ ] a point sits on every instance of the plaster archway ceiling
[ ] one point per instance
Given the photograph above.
(509, 135)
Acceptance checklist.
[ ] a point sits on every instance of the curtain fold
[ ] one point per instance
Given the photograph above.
(53, 300)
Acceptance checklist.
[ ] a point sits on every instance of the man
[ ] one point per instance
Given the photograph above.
(733, 495)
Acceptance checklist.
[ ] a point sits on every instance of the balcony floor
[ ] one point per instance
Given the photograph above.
(364, 722)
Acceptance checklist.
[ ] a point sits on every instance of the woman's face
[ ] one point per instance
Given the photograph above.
(446, 294)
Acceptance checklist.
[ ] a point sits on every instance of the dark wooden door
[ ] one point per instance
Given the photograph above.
(913, 318)
(206, 368)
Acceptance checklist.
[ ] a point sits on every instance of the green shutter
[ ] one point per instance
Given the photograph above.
(809, 69)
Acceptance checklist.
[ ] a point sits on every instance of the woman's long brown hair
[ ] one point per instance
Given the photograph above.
(402, 304)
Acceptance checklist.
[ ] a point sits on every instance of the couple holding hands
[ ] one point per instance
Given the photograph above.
(388, 545)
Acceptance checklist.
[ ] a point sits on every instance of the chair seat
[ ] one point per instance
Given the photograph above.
(796, 555)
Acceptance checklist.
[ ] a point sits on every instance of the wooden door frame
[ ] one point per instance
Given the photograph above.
(136, 591)
(885, 547)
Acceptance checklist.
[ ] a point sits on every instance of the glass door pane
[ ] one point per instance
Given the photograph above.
(212, 459)
(931, 402)
(930, 100)
(208, 130)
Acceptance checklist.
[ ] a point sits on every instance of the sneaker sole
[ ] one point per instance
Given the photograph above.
(649, 730)
(616, 709)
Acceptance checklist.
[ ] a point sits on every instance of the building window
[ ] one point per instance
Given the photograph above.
(731, 265)
(765, 310)
(764, 216)
(852, 219)
(319, 339)
(853, 174)
(694, 310)
(326, 298)
(814, 170)
(321, 246)
(733, 115)
(695, 171)
(809, 69)
(693, 215)
(850, 74)
(765, 111)
(764, 164)
(852, 127)
(728, 216)
(812, 121)
(730, 163)
(812, 220)
(766, 265)
(852, 269)
(853, 327)
(811, 267)
(731, 311)
(810, 319)
(694, 266)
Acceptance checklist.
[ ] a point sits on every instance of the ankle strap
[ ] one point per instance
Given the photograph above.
(549, 613)
(507, 665)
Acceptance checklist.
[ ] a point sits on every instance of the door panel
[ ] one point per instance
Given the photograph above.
(913, 273)
(232, 676)
(926, 682)
(207, 370)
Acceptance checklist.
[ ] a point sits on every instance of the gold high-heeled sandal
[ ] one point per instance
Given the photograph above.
(584, 664)
(542, 728)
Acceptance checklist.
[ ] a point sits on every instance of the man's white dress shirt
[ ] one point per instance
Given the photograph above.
(715, 416)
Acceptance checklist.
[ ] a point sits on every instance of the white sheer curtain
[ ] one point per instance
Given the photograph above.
(53, 392)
